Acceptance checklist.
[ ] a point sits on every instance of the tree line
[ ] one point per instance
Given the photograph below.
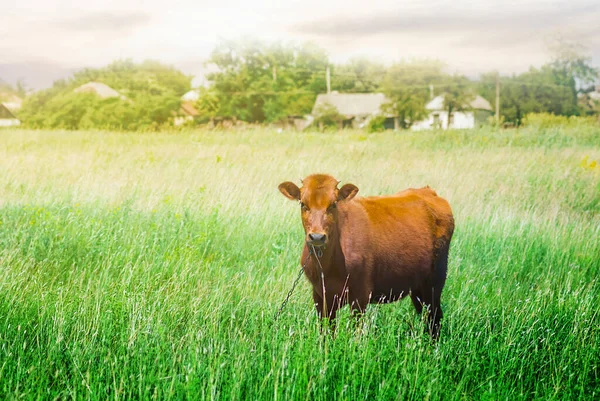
(261, 82)
(258, 82)
(150, 97)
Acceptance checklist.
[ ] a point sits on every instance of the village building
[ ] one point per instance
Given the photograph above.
(191, 96)
(12, 102)
(475, 114)
(7, 118)
(101, 90)
(355, 108)
(187, 112)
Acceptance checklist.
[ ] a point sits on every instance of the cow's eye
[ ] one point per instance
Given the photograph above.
(332, 206)
(304, 207)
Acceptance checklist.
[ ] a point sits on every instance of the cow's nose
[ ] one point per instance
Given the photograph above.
(316, 237)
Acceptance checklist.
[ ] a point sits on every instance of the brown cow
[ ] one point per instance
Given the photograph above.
(373, 250)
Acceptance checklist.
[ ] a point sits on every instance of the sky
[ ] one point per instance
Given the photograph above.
(43, 40)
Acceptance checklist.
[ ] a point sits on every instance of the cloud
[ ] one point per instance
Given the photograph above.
(464, 26)
(471, 37)
(105, 21)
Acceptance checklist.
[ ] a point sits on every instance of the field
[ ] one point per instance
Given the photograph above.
(149, 266)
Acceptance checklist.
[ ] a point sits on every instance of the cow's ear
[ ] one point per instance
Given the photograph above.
(289, 190)
(347, 192)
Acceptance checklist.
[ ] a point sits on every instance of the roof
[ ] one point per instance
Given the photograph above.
(11, 101)
(5, 113)
(189, 109)
(352, 104)
(478, 103)
(102, 90)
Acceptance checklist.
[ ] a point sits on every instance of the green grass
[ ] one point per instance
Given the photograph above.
(142, 266)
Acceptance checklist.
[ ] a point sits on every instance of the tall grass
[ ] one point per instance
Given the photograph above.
(150, 266)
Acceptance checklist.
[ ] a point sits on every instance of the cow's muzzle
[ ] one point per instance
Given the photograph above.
(317, 239)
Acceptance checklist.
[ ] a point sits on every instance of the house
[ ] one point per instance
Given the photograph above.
(12, 102)
(103, 91)
(477, 113)
(356, 108)
(187, 112)
(7, 118)
(191, 96)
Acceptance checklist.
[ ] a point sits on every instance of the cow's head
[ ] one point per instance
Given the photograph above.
(318, 199)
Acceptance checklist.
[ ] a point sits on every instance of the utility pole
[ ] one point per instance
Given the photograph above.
(328, 78)
(274, 73)
(497, 99)
(430, 91)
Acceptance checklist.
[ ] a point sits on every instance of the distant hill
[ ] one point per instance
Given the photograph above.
(35, 75)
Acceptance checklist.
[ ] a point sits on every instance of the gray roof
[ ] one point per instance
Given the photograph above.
(5, 112)
(12, 102)
(352, 104)
(102, 90)
(478, 103)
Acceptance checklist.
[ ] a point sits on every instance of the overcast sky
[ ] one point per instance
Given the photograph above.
(46, 39)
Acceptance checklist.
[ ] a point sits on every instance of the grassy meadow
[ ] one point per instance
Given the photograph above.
(149, 266)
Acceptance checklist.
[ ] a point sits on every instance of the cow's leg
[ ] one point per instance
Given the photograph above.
(415, 297)
(441, 269)
(429, 299)
(431, 293)
(435, 313)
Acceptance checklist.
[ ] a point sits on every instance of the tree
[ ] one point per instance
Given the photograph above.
(207, 104)
(458, 95)
(260, 82)
(570, 63)
(534, 91)
(358, 75)
(137, 79)
(407, 85)
(327, 115)
(552, 88)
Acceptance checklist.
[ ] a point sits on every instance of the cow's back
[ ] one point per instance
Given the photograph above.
(394, 239)
(439, 209)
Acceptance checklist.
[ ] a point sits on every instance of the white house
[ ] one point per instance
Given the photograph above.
(7, 119)
(191, 96)
(477, 114)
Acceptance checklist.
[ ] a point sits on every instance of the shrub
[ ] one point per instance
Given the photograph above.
(549, 120)
(376, 124)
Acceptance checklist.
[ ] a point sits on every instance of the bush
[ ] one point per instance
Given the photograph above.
(376, 124)
(549, 120)
(327, 115)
